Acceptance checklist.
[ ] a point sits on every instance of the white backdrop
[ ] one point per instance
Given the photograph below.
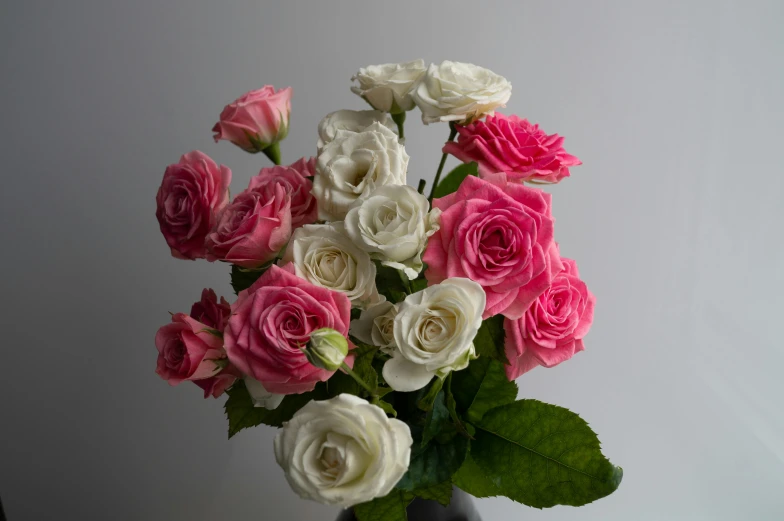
(675, 108)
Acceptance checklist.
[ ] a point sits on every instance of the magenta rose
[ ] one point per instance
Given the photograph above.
(552, 329)
(500, 235)
(191, 194)
(514, 146)
(257, 120)
(210, 312)
(295, 180)
(186, 351)
(253, 228)
(272, 320)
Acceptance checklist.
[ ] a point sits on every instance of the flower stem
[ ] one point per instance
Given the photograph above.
(400, 118)
(273, 152)
(421, 187)
(356, 377)
(452, 134)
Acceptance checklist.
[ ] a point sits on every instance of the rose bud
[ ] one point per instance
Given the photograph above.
(257, 121)
(327, 349)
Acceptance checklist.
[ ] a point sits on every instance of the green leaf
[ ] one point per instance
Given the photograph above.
(489, 340)
(494, 391)
(453, 179)
(390, 284)
(426, 403)
(243, 278)
(419, 284)
(466, 383)
(391, 507)
(242, 414)
(543, 455)
(340, 382)
(436, 419)
(433, 463)
(472, 479)
(441, 493)
(387, 407)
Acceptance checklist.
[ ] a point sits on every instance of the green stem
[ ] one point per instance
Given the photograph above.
(273, 152)
(452, 134)
(400, 118)
(421, 187)
(356, 377)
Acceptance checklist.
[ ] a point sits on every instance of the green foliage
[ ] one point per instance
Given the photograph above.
(452, 181)
(391, 507)
(542, 455)
(472, 479)
(387, 408)
(441, 493)
(242, 414)
(341, 383)
(434, 462)
(426, 402)
(436, 420)
(390, 283)
(466, 383)
(243, 278)
(419, 284)
(494, 391)
(489, 339)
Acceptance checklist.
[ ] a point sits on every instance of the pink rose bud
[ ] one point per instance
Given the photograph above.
(193, 191)
(273, 320)
(210, 312)
(187, 351)
(253, 228)
(257, 121)
(500, 235)
(217, 385)
(552, 329)
(294, 179)
(514, 146)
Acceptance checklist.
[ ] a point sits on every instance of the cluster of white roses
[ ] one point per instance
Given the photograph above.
(346, 451)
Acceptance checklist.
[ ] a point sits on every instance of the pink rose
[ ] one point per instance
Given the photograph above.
(256, 120)
(186, 351)
(253, 228)
(210, 312)
(295, 180)
(191, 194)
(552, 329)
(500, 235)
(217, 385)
(514, 146)
(272, 320)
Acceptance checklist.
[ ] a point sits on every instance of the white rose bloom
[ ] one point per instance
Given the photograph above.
(354, 164)
(260, 396)
(343, 451)
(460, 92)
(351, 120)
(434, 332)
(375, 326)
(325, 256)
(388, 87)
(393, 225)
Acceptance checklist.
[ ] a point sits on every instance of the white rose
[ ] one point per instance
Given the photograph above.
(351, 120)
(393, 225)
(460, 92)
(260, 396)
(375, 326)
(434, 332)
(325, 256)
(388, 87)
(343, 451)
(353, 165)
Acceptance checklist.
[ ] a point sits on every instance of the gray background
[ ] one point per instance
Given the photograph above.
(675, 219)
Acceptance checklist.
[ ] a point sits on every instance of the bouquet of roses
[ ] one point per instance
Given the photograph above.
(381, 329)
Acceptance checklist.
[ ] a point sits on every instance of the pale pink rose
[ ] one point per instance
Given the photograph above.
(256, 120)
(295, 180)
(217, 385)
(191, 194)
(270, 323)
(500, 235)
(514, 146)
(253, 228)
(210, 312)
(186, 351)
(552, 329)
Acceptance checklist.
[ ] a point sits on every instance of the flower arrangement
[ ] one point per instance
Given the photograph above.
(380, 329)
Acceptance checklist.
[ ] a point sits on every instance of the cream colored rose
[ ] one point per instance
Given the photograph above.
(434, 332)
(343, 451)
(354, 164)
(388, 87)
(460, 92)
(375, 326)
(325, 256)
(393, 225)
(260, 396)
(351, 120)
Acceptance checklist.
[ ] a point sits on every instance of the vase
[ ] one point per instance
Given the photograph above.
(461, 508)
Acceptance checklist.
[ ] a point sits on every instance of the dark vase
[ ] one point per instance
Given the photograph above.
(461, 508)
